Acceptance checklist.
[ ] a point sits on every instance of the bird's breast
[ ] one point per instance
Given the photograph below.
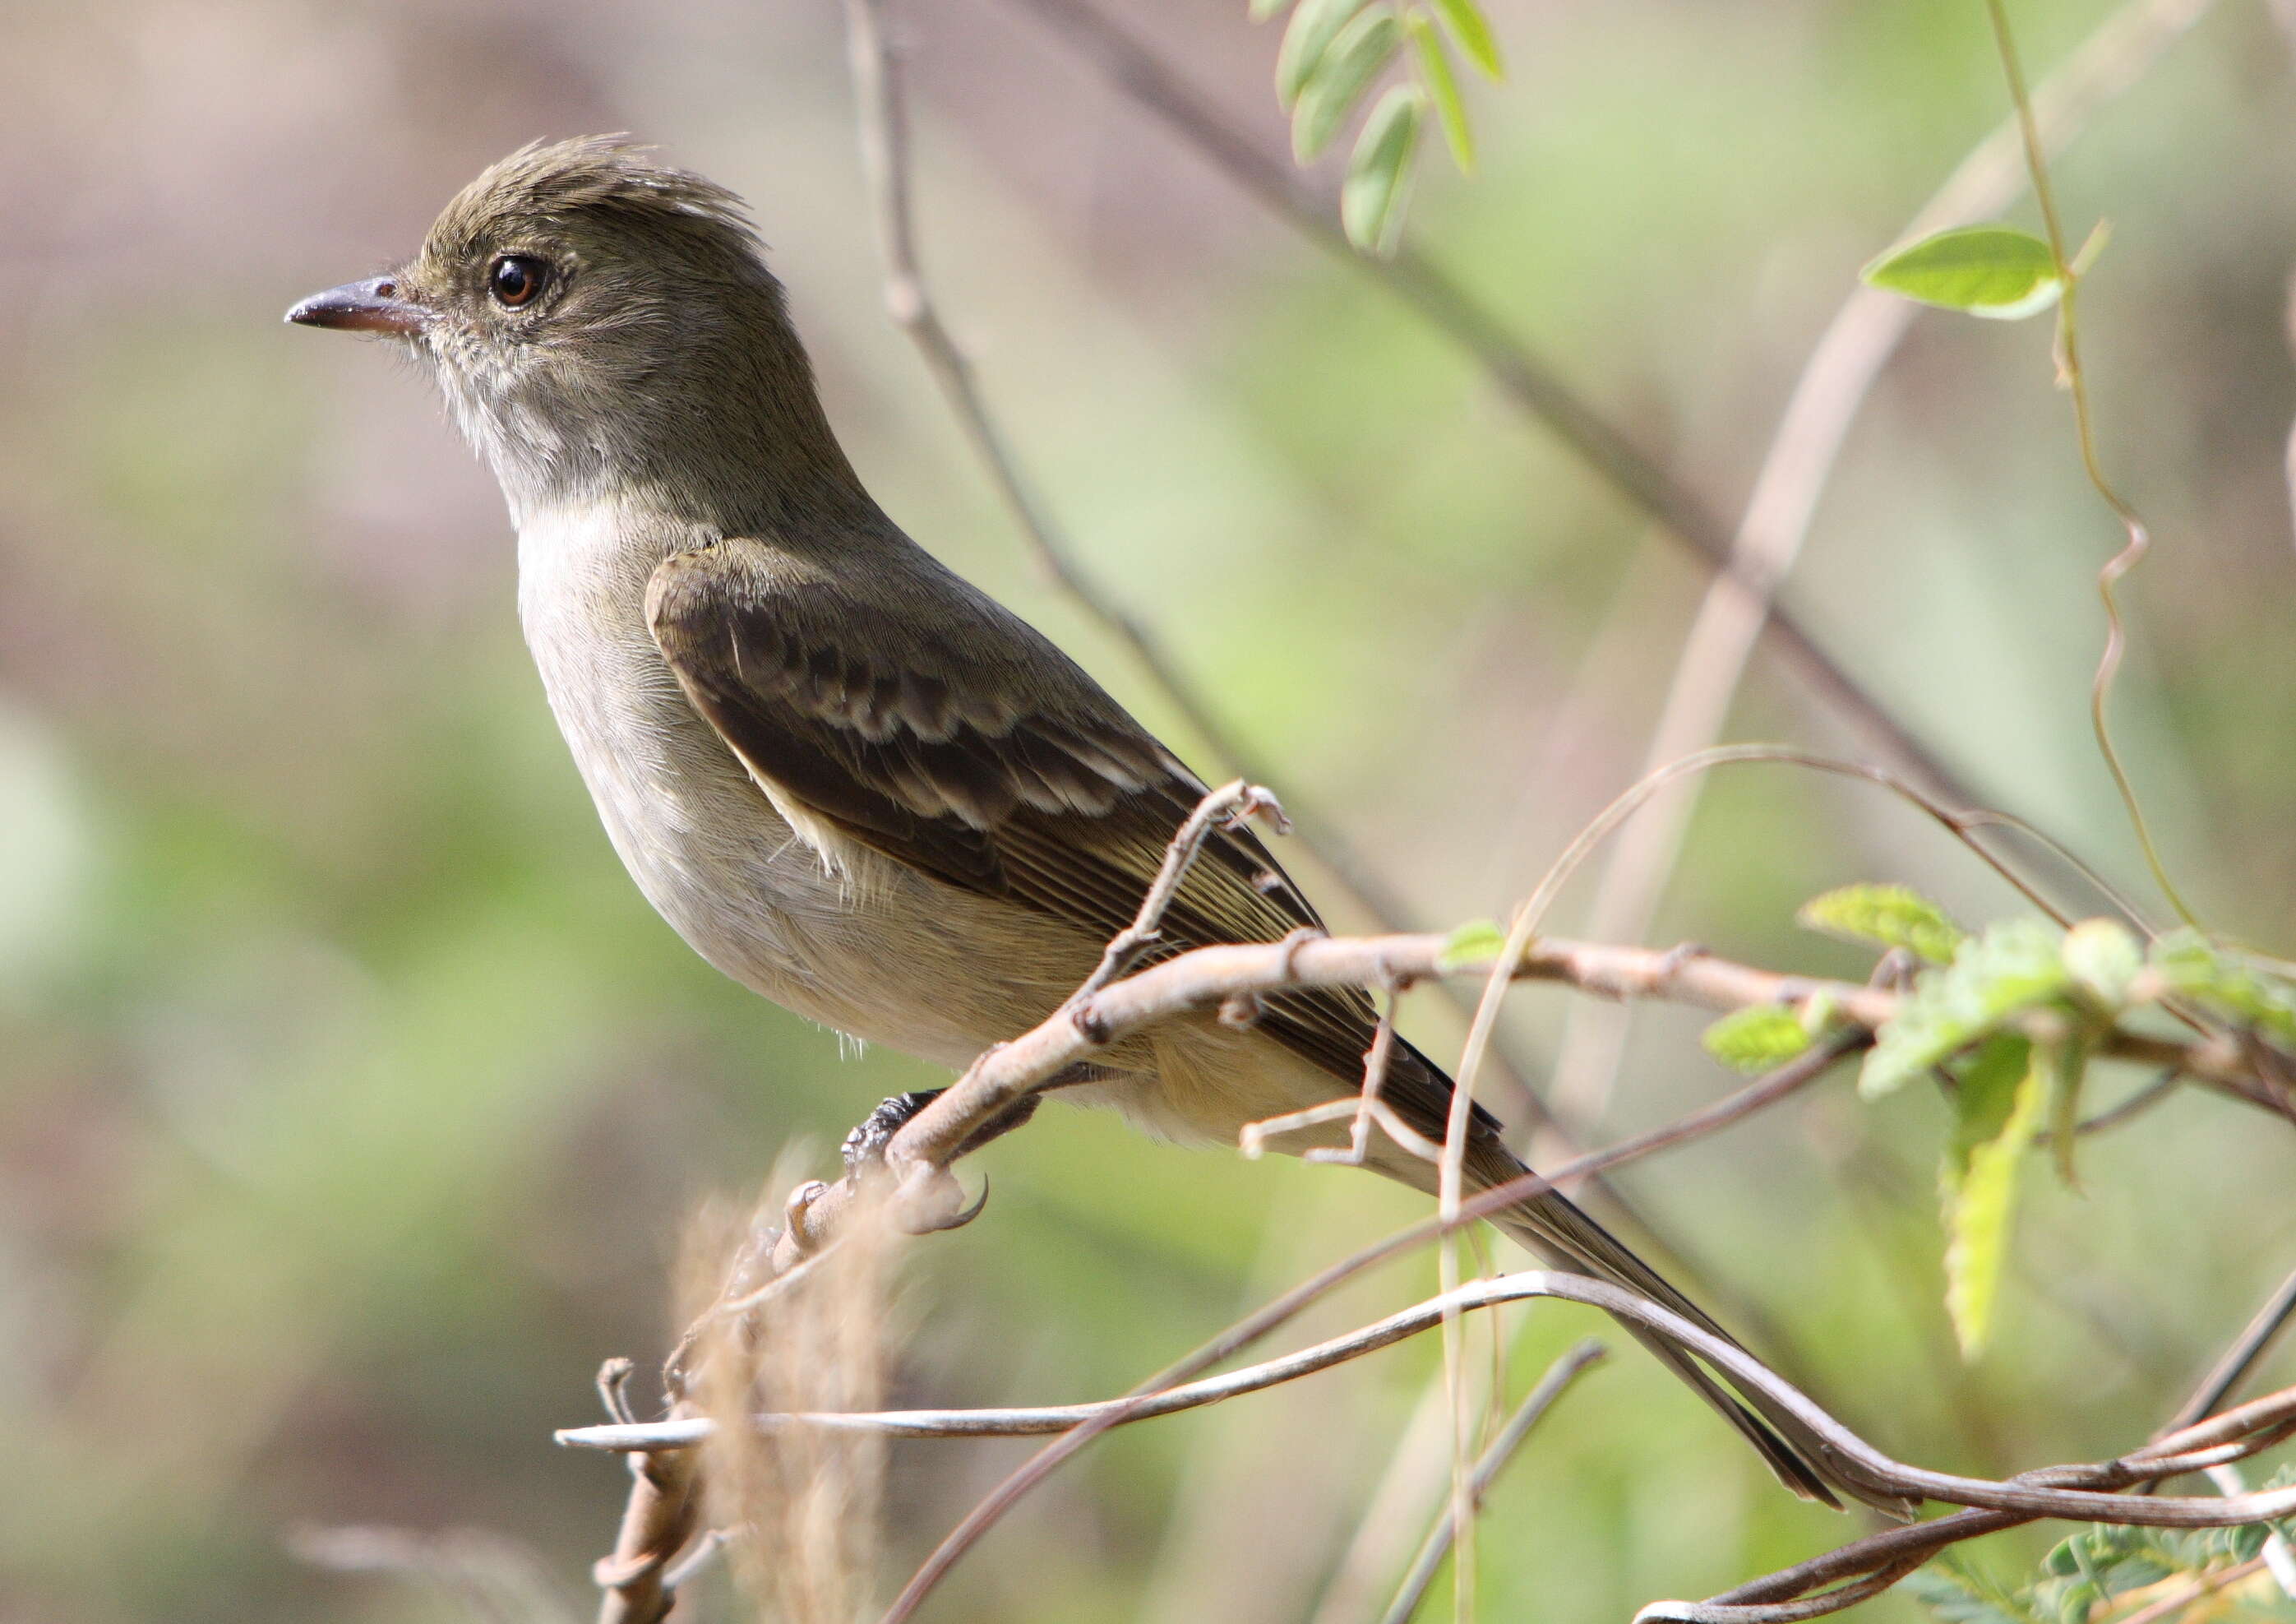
(856, 945)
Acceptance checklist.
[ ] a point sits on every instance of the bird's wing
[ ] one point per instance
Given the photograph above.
(942, 731)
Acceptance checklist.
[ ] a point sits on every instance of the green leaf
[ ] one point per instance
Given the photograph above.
(2015, 965)
(2190, 966)
(1985, 270)
(1443, 86)
(2000, 1099)
(2103, 957)
(1479, 941)
(1307, 38)
(1472, 30)
(1339, 79)
(1890, 915)
(1379, 174)
(1956, 1592)
(1757, 1039)
(1262, 10)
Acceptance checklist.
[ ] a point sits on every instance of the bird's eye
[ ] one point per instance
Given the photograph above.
(516, 278)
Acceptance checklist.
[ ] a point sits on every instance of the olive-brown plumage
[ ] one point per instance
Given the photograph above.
(848, 778)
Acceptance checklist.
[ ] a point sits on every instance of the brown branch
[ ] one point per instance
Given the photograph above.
(883, 124)
(1266, 1318)
(1521, 376)
(1210, 977)
(2240, 1357)
(664, 1502)
(883, 130)
(659, 1521)
(1842, 370)
(2086, 1493)
(1898, 1551)
(1231, 804)
(1492, 1461)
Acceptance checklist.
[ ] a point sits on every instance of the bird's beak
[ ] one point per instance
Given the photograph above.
(364, 306)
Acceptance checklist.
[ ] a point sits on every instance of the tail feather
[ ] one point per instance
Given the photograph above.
(1554, 1226)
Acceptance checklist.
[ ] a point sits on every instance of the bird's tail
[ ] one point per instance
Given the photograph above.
(1552, 1226)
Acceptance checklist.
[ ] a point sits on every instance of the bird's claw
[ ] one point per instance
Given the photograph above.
(865, 1146)
(932, 1201)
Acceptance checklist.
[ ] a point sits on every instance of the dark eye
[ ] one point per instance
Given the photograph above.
(516, 278)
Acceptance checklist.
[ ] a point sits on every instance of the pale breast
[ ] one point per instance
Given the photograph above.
(868, 946)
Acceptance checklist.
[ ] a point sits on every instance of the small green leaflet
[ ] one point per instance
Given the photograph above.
(1757, 1039)
(2016, 964)
(1472, 30)
(1262, 10)
(1955, 1592)
(1984, 270)
(1341, 76)
(2191, 967)
(1479, 941)
(2099, 1564)
(1890, 915)
(1379, 174)
(2000, 1099)
(1443, 89)
(1306, 38)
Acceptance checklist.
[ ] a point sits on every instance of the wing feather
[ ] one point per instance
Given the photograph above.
(968, 747)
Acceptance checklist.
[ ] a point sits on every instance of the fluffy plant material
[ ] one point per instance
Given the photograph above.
(801, 1503)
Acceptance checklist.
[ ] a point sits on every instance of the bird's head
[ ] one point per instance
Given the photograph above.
(598, 322)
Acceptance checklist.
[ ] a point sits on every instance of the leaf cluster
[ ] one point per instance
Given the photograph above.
(2006, 1020)
(1336, 52)
(2100, 1572)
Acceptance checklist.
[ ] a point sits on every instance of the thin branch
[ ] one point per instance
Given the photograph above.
(2240, 1359)
(2277, 1555)
(1541, 1398)
(1361, 1113)
(659, 1521)
(1842, 370)
(2076, 381)
(2206, 1585)
(1231, 804)
(1910, 1547)
(1030, 1420)
(1207, 977)
(2059, 1492)
(883, 126)
(1780, 1613)
(1268, 1318)
(1521, 376)
(2117, 1116)
(2081, 1493)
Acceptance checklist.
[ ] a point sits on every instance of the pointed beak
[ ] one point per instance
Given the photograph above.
(364, 306)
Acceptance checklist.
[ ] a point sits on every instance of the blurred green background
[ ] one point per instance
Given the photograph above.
(352, 1102)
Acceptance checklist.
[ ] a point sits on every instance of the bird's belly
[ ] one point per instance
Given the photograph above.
(870, 947)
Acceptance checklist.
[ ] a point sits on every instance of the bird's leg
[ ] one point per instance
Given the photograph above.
(865, 1146)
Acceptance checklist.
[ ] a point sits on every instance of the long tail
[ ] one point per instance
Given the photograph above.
(1553, 1227)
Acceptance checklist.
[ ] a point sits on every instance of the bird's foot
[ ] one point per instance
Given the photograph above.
(865, 1146)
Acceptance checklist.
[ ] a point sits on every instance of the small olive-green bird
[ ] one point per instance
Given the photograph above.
(850, 779)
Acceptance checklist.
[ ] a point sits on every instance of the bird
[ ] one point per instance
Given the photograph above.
(850, 779)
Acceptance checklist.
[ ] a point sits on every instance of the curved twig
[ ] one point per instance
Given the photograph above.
(2059, 1491)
